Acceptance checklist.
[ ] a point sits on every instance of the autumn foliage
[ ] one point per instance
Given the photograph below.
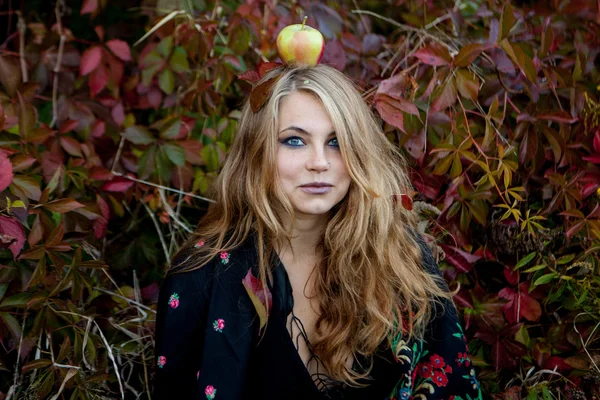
(108, 147)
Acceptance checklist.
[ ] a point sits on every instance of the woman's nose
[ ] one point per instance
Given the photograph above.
(317, 161)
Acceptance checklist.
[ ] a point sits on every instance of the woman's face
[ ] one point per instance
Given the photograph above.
(311, 170)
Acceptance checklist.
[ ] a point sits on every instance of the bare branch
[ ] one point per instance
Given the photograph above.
(58, 66)
(22, 28)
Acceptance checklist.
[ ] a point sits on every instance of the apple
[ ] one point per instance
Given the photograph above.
(300, 44)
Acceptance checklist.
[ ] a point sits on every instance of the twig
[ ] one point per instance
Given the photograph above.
(136, 291)
(407, 28)
(22, 28)
(106, 344)
(364, 25)
(118, 156)
(162, 187)
(581, 339)
(58, 66)
(16, 375)
(135, 303)
(171, 213)
(157, 226)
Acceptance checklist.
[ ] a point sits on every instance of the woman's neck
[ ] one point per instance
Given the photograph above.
(306, 236)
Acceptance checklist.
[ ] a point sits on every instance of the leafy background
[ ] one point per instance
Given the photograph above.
(107, 147)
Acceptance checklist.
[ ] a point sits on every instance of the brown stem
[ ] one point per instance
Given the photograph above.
(22, 28)
(57, 67)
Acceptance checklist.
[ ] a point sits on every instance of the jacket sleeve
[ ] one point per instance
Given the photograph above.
(205, 329)
(444, 369)
(180, 328)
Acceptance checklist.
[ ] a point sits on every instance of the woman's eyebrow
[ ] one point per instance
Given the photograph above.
(300, 130)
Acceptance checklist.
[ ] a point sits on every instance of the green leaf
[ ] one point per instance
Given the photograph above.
(179, 60)
(12, 324)
(175, 153)
(166, 81)
(547, 278)
(565, 259)
(3, 287)
(210, 157)
(508, 20)
(36, 364)
(165, 46)
(163, 165)
(535, 268)
(525, 260)
(138, 135)
(147, 163)
(18, 300)
(171, 128)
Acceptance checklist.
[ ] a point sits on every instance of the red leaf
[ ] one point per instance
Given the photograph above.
(468, 54)
(98, 80)
(120, 49)
(445, 97)
(594, 158)
(399, 86)
(98, 128)
(265, 67)
(68, 126)
(250, 76)
(62, 206)
(103, 207)
(520, 305)
(89, 6)
(597, 141)
(117, 185)
(90, 60)
(433, 55)
(118, 114)
(13, 229)
(390, 114)
(558, 116)
(6, 171)
(71, 146)
(151, 292)
(460, 259)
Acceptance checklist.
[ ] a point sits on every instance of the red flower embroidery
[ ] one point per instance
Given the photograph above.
(174, 300)
(199, 244)
(218, 325)
(440, 378)
(162, 360)
(225, 257)
(437, 361)
(210, 392)
(425, 370)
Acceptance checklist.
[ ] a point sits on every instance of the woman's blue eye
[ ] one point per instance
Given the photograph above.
(334, 142)
(293, 141)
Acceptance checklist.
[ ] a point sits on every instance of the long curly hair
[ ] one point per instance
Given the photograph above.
(371, 284)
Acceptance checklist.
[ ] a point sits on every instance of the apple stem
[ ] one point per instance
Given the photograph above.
(303, 22)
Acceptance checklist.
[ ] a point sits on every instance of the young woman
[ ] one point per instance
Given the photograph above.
(306, 279)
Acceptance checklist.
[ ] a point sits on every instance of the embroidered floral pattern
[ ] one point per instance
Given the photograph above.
(199, 244)
(174, 300)
(210, 392)
(219, 325)
(463, 359)
(162, 360)
(225, 257)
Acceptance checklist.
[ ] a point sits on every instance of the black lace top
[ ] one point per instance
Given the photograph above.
(208, 344)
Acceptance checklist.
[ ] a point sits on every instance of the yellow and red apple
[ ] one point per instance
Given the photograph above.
(300, 44)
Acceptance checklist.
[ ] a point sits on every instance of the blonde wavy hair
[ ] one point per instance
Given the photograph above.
(371, 282)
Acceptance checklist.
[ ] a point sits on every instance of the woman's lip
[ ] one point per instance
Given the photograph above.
(316, 189)
(317, 184)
